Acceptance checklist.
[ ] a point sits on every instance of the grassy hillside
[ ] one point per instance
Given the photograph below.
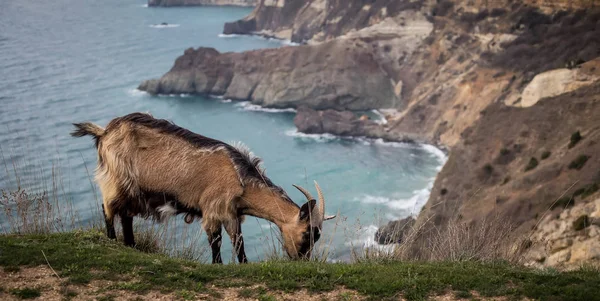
(86, 259)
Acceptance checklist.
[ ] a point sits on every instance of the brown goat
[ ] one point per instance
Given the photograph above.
(153, 168)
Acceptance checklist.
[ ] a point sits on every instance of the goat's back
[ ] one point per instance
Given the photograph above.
(142, 155)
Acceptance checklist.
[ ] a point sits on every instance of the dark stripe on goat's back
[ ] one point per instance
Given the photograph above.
(247, 166)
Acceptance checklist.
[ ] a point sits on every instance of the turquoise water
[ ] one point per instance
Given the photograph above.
(69, 61)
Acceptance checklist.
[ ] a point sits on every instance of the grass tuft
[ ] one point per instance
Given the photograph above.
(26, 293)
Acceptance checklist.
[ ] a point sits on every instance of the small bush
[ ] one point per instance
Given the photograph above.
(564, 202)
(589, 190)
(533, 163)
(506, 180)
(504, 151)
(545, 155)
(575, 138)
(581, 223)
(579, 162)
(26, 293)
(488, 169)
(443, 191)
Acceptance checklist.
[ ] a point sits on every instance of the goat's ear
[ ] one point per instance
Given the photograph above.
(306, 209)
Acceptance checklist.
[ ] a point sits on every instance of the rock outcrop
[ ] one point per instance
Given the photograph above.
(395, 231)
(202, 2)
(569, 239)
(338, 75)
(342, 123)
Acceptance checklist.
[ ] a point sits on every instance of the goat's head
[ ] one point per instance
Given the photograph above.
(300, 236)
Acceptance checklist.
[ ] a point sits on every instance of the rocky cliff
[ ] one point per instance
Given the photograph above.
(201, 2)
(505, 85)
(285, 77)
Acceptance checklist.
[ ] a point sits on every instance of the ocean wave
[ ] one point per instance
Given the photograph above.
(164, 25)
(366, 240)
(400, 208)
(438, 153)
(315, 137)
(136, 92)
(258, 36)
(227, 36)
(221, 98)
(248, 106)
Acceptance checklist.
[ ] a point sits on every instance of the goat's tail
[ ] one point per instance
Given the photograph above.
(88, 128)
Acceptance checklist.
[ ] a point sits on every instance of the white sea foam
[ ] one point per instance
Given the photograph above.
(367, 241)
(145, 5)
(260, 37)
(226, 36)
(136, 92)
(438, 153)
(399, 207)
(216, 96)
(315, 137)
(164, 25)
(225, 100)
(248, 106)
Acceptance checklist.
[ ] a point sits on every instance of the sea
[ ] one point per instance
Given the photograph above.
(67, 61)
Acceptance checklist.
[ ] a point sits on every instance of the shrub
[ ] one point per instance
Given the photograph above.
(545, 155)
(506, 180)
(579, 162)
(589, 190)
(26, 293)
(488, 169)
(443, 191)
(533, 163)
(564, 202)
(575, 138)
(504, 151)
(581, 223)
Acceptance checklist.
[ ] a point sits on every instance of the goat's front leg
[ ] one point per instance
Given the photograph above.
(110, 225)
(214, 239)
(234, 229)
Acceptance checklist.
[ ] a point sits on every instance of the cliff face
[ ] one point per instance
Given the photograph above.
(316, 20)
(501, 83)
(201, 2)
(285, 77)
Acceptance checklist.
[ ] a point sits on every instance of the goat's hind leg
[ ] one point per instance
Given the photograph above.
(213, 231)
(127, 223)
(234, 230)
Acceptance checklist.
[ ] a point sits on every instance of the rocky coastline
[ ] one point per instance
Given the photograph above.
(169, 3)
(503, 85)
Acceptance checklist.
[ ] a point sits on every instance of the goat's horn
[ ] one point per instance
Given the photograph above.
(305, 192)
(321, 214)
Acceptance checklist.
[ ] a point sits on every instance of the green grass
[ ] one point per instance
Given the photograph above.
(83, 256)
(26, 293)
